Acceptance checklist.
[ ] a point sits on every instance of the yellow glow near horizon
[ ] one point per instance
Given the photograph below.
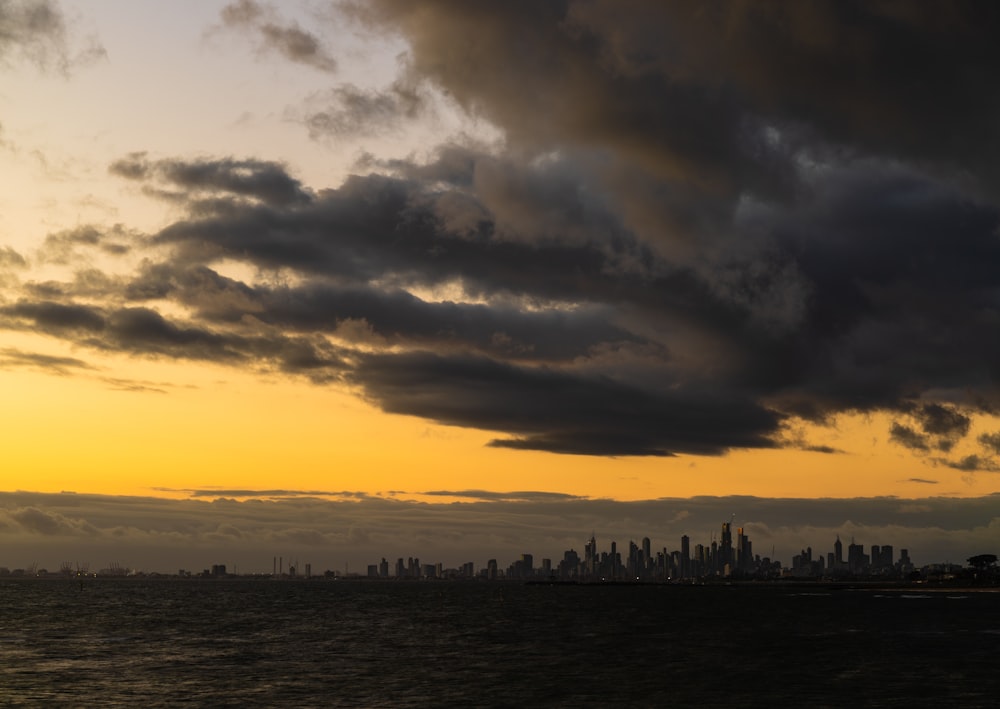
(108, 430)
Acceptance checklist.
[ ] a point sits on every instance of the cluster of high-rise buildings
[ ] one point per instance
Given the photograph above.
(880, 562)
(725, 557)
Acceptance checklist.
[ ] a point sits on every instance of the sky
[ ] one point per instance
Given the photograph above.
(343, 280)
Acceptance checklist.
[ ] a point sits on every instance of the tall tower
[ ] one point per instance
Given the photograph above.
(685, 557)
(742, 550)
(590, 556)
(838, 551)
(726, 546)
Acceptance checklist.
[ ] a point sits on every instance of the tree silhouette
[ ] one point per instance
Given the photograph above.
(982, 562)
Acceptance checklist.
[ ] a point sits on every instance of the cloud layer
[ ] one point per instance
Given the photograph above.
(358, 529)
(696, 227)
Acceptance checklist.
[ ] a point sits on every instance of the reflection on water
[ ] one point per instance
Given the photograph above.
(263, 643)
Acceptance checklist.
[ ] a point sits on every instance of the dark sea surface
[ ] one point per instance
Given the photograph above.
(245, 642)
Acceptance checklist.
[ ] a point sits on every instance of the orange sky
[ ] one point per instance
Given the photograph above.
(143, 421)
(203, 427)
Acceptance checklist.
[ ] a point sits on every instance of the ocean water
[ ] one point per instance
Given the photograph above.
(245, 642)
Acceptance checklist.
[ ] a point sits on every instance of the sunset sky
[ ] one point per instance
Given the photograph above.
(343, 280)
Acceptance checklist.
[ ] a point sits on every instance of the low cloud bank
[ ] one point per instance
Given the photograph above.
(356, 529)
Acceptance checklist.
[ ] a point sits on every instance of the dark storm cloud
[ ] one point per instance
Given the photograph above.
(698, 224)
(559, 412)
(399, 316)
(378, 227)
(390, 230)
(733, 99)
(865, 333)
(388, 315)
(860, 343)
(287, 39)
(680, 87)
(943, 421)
(941, 427)
(145, 331)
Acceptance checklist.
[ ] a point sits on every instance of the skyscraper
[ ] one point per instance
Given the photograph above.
(726, 547)
(590, 556)
(685, 557)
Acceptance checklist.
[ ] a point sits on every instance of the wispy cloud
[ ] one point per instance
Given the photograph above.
(37, 31)
(250, 493)
(487, 495)
(12, 358)
(273, 34)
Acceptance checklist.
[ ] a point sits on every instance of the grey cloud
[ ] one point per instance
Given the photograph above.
(679, 244)
(906, 436)
(48, 523)
(487, 495)
(971, 463)
(164, 535)
(941, 427)
(385, 229)
(349, 111)
(133, 385)
(768, 134)
(287, 39)
(865, 334)
(943, 421)
(52, 317)
(146, 331)
(562, 412)
(86, 283)
(35, 30)
(392, 315)
(63, 247)
(991, 442)
(9, 258)
(393, 235)
(829, 450)
(656, 82)
(215, 493)
(11, 357)
(268, 182)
